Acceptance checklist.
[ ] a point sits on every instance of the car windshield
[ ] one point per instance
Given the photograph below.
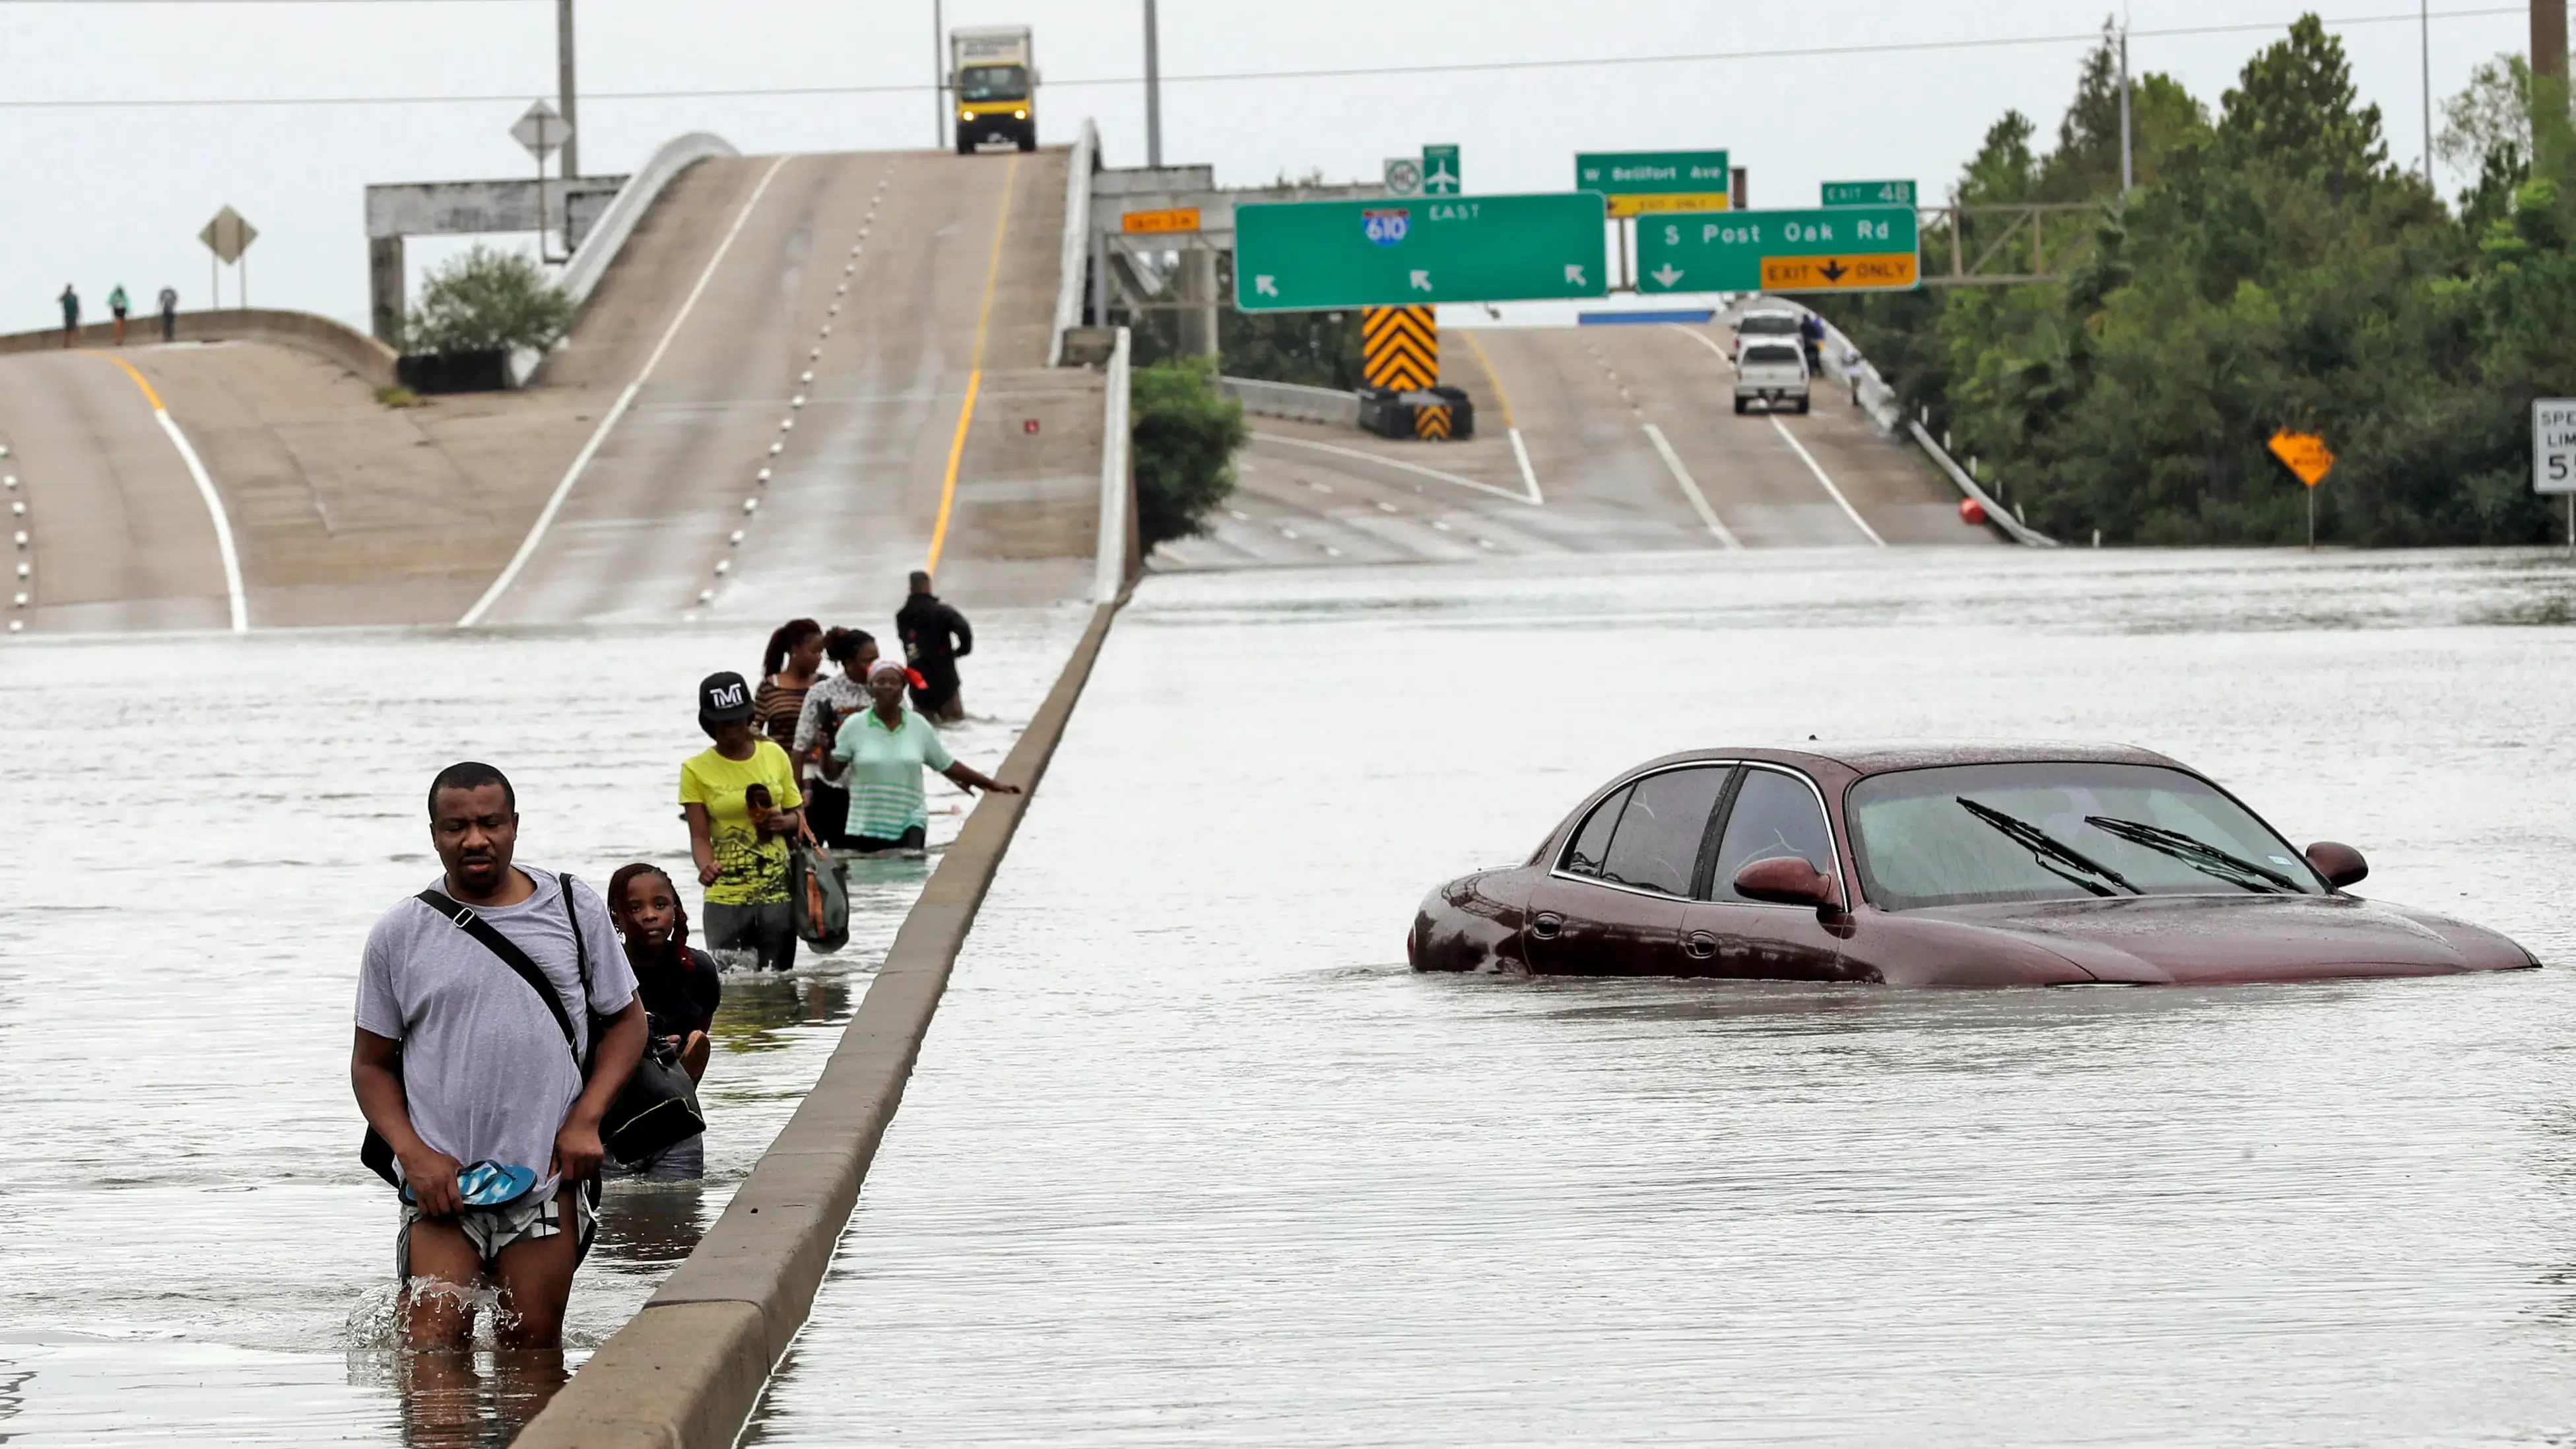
(992, 83)
(1778, 324)
(1970, 834)
(1772, 353)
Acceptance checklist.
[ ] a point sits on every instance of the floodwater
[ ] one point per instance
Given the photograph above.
(1191, 1157)
(201, 832)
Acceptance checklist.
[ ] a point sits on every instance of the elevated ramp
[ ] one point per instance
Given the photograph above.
(741, 268)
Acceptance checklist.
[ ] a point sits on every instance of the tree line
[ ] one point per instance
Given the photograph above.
(2270, 269)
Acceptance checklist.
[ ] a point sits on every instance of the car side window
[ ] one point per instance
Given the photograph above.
(1592, 842)
(1656, 845)
(1774, 815)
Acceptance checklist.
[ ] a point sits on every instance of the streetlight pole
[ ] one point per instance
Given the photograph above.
(1153, 89)
(938, 76)
(2128, 167)
(563, 79)
(2424, 23)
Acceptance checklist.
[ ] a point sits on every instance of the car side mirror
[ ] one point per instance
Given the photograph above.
(2341, 865)
(1788, 880)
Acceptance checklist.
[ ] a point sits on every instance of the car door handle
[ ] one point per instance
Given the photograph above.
(1700, 944)
(1546, 925)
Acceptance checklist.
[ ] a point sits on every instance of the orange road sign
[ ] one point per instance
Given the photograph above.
(1184, 218)
(1668, 201)
(2306, 453)
(1829, 274)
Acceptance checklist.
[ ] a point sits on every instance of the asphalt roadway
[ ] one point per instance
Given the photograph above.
(1632, 444)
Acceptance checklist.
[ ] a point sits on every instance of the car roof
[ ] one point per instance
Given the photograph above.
(1868, 758)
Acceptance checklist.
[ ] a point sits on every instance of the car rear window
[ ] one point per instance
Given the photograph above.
(1770, 354)
(1777, 324)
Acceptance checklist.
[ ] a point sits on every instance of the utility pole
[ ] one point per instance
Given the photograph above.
(563, 79)
(2424, 20)
(938, 76)
(1153, 89)
(2128, 166)
(2548, 82)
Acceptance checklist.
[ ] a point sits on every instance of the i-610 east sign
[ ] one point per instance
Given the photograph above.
(1301, 255)
(1852, 248)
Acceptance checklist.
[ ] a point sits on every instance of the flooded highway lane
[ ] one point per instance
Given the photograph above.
(202, 831)
(1191, 1157)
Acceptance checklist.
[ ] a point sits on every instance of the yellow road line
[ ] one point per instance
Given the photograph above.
(975, 370)
(1491, 375)
(139, 380)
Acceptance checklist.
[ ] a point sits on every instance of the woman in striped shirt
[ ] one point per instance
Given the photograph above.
(788, 668)
(885, 750)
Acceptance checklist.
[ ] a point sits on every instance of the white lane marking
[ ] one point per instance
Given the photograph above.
(1529, 475)
(1848, 511)
(1398, 463)
(1786, 436)
(625, 400)
(1690, 487)
(233, 594)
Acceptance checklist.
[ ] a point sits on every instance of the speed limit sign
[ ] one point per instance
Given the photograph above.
(2553, 445)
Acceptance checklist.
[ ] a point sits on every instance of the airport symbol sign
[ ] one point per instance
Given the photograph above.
(1869, 193)
(1304, 255)
(1638, 182)
(1440, 171)
(1837, 249)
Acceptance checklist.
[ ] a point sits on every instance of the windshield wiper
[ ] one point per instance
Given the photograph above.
(2197, 853)
(2044, 847)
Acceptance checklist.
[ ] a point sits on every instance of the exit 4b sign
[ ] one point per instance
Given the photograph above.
(1839, 249)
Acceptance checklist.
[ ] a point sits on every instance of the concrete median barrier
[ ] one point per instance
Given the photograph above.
(331, 340)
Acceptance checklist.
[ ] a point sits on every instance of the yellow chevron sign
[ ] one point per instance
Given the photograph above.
(1402, 347)
(1431, 422)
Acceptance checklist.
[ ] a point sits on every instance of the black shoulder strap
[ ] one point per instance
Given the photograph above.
(508, 950)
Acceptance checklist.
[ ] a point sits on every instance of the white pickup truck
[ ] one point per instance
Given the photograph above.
(1772, 370)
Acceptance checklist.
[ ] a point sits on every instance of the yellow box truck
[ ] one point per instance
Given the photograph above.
(993, 72)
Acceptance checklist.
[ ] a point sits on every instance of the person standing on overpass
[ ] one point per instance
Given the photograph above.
(169, 314)
(117, 307)
(935, 636)
(71, 313)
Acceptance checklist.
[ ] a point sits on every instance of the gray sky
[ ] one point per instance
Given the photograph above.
(118, 194)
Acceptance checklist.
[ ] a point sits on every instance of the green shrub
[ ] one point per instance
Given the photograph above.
(487, 301)
(1185, 434)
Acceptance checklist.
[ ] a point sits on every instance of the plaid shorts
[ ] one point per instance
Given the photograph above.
(494, 1228)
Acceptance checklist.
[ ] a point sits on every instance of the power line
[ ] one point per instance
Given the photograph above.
(1489, 67)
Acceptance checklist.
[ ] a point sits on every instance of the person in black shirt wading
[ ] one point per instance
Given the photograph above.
(934, 637)
(681, 986)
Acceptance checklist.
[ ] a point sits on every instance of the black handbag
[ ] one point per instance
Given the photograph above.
(657, 1107)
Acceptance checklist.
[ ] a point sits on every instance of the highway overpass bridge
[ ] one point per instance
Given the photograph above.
(763, 411)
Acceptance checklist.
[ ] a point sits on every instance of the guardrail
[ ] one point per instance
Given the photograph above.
(1293, 401)
(1076, 251)
(1996, 514)
(325, 337)
(1114, 562)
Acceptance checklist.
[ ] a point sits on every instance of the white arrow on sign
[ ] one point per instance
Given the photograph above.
(1574, 275)
(1666, 274)
(1422, 281)
(1265, 286)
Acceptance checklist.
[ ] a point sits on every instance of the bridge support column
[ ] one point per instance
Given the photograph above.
(385, 289)
(1198, 291)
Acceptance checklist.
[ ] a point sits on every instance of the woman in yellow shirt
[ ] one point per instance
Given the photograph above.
(741, 801)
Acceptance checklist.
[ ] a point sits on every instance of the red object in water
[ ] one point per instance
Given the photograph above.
(1971, 512)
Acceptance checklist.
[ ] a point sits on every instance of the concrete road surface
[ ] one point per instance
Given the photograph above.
(833, 345)
(119, 536)
(1631, 442)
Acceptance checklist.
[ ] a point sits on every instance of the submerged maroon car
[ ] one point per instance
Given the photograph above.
(1917, 866)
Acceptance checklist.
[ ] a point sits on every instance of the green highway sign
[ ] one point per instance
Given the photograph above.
(1856, 248)
(1299, 255)
(1440, 171)
(1869, 193)
(1643, 181)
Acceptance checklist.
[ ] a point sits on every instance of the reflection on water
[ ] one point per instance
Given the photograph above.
(1191, 1157)
(202, 831)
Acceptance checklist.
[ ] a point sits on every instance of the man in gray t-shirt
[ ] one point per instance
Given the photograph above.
(463, 1069)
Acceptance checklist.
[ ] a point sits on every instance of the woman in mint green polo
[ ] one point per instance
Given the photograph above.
(886, 748)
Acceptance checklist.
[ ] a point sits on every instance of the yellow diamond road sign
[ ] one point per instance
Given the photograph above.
(2306, 453)
(228, 236)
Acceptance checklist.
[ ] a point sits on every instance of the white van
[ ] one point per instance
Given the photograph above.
(1776, 322)
(1772, 369)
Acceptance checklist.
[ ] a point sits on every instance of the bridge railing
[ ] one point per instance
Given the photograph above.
(1076, 251)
